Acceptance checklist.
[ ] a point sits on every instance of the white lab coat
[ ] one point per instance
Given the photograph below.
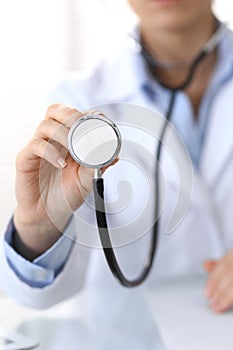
(206, 230)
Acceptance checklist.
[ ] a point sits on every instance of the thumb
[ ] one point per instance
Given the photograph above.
(113, 163)
(209, 265)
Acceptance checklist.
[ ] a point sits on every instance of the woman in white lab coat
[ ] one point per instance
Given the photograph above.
(171, 31)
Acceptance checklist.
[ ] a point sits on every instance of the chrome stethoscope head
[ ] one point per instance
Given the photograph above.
(94, 141)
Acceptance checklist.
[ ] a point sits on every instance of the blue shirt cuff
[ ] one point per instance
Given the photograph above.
(43, 270)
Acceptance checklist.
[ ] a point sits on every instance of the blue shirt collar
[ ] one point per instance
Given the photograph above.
(223, 70)
(118, 85)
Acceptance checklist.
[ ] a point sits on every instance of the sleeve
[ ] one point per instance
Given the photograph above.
(62, 271)
(43, 270)
(69, 280)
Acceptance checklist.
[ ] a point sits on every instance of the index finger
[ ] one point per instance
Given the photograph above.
(216, 277)
(64, 114)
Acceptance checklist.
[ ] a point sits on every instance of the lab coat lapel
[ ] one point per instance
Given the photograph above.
(121, 78)
(218, 146)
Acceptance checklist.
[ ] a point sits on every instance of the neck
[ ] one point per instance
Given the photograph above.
(178, 46)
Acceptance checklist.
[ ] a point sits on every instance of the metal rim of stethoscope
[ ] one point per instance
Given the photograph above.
(104, 119)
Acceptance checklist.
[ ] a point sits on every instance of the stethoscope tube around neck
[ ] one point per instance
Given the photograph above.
(206, 50)
(98, 184)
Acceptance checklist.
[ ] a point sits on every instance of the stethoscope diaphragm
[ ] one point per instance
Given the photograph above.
(94, 141)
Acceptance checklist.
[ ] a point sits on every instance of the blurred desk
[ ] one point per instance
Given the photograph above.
(185, 320)
(95, 320)
(172, 316)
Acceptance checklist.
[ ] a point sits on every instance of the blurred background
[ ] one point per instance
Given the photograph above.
(41, 42)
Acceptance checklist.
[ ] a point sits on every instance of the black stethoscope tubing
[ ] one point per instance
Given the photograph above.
(98, 184)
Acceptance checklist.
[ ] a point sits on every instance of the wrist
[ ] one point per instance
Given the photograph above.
(32, 239)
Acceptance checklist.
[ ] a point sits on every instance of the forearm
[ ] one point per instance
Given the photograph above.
(32, 239)
(56, 275)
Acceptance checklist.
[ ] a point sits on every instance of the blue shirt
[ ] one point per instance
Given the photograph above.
(43, 270)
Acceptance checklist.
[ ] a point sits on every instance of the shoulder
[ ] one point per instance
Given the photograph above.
(110, 81)
(77, 89)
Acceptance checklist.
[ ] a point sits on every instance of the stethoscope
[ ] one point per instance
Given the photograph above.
(94, 141)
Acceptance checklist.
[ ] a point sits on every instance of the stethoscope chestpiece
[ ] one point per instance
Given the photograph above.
(94, 141)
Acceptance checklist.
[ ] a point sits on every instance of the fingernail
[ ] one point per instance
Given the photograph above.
(214, 302)
(62, 162)
(207, 292)
(217, 307)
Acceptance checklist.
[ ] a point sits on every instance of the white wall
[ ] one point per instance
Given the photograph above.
(40, 41)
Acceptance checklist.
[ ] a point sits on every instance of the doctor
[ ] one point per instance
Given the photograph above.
(40, 266)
